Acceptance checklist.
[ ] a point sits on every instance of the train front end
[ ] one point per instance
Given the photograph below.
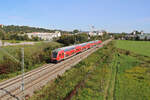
(54, 57)
(57, 55)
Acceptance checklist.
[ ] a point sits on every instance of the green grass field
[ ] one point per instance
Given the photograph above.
(139, 47)
(133, 76)
(133, 80)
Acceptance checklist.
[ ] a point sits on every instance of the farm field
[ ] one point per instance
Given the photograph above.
(132, 79)
(133, 76)
(140, 47)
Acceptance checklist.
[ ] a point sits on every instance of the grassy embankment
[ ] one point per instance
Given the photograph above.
(128, 77)
(94, 68)
(108, 74)
(35, 56)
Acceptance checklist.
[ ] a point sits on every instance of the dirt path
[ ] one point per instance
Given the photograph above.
(110, 87)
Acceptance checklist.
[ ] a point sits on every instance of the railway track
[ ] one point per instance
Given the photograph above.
(35, 79)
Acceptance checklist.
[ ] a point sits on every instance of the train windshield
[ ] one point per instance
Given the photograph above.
(54, 54)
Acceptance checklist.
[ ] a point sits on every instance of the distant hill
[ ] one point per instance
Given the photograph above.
(6, 32)
(12, 29)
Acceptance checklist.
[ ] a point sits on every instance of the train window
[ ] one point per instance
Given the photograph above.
(54, 54)
(59, 55)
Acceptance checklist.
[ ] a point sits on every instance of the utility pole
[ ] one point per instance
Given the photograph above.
(22, 65)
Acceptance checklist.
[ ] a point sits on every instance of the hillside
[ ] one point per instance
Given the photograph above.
(7, 31)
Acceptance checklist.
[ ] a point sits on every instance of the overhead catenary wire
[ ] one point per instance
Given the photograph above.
(22, 66)
(10, 55)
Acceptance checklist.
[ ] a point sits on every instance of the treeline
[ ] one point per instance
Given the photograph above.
(80, 38)
(22, 37)
(73, 39)
(13, 32)
(126, 36)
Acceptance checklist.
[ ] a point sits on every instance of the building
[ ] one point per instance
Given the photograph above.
(135, 32)
(44, 36)
(96, 33)
(144, 36)
(1, 25)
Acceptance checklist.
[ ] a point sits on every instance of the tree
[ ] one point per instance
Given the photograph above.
(145, 38)
(137, 38)
(1, 35)
(73, 39)
(75, 31)
(135, 32)
(67, 39)
(80, 38)
(35, 38)
(10, 31)
(26, 37)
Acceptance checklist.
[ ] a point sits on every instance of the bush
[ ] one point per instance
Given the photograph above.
(36, 54)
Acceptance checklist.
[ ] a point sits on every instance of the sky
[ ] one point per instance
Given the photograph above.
(110, 15)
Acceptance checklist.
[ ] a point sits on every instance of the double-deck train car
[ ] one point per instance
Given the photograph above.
(66, 52)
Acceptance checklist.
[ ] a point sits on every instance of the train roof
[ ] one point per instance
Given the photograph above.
(73, 46)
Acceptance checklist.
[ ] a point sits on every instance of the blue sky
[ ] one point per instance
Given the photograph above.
(111, 15)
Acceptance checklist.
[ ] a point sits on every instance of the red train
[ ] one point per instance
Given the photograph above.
(66, 52)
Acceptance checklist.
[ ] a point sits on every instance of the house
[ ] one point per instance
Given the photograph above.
(144, 36)
(1, 25)
(97, 33)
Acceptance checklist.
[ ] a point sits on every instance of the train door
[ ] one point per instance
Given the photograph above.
(61, 55)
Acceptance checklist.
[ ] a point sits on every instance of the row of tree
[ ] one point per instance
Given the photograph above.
(15, 32)
(72, 39)
(79, 38)
(127, 36)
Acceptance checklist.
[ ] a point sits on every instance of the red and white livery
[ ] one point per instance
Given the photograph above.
(66, 52)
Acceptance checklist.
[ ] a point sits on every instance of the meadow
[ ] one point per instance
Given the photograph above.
(128, 75)
(132, 79)
(139, 47)
(133, 75)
